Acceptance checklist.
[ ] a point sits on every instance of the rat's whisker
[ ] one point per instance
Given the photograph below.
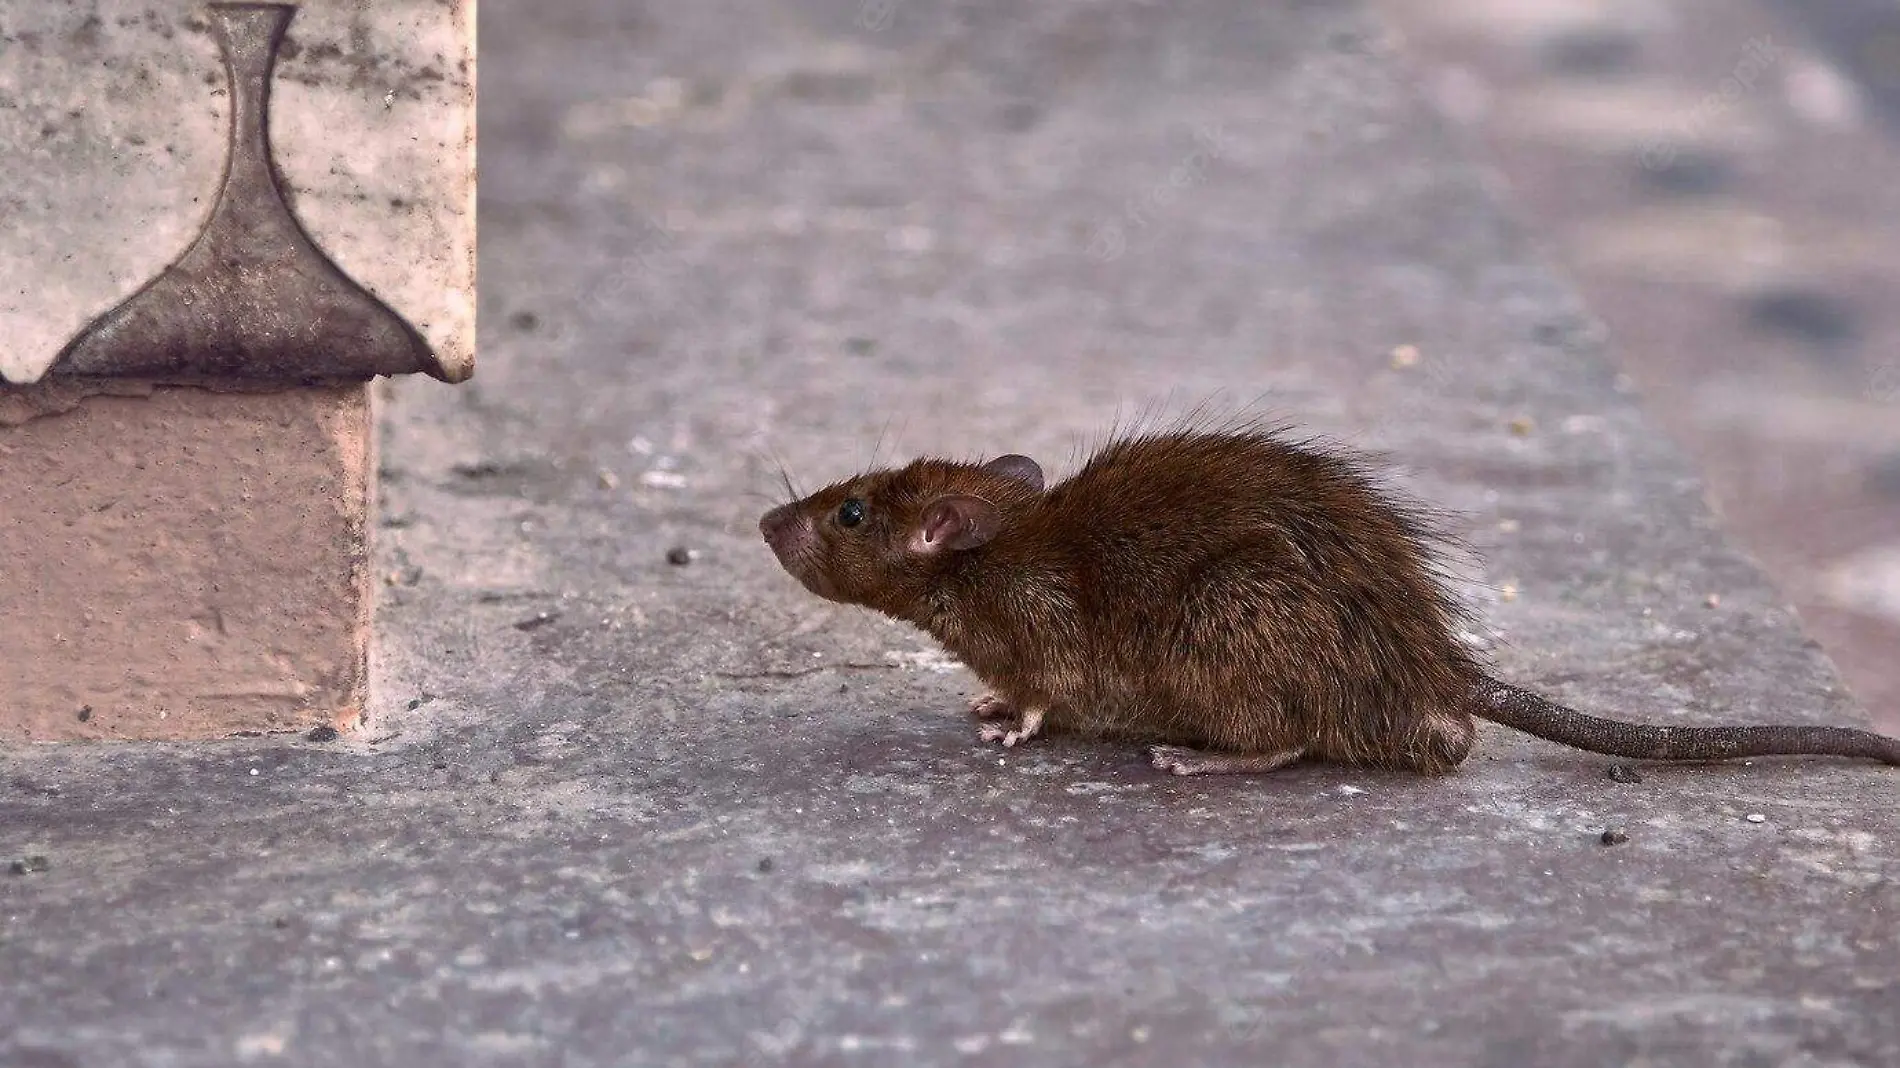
(769, 458)
(878, 445)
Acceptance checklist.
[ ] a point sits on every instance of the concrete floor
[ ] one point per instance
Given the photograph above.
(617, 810)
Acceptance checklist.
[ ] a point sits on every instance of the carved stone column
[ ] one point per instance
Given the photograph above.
(190, 321)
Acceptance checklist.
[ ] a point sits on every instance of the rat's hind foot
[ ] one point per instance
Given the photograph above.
(1184, 761)
(1010, 734)
(991, 707)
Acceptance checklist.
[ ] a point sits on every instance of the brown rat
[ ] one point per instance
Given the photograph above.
(1234, 598)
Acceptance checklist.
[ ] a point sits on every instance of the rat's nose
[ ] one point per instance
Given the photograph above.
(787, 531)
(772, 524)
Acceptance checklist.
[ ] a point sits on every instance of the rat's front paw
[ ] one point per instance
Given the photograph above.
(991, 707)
(1012, 734)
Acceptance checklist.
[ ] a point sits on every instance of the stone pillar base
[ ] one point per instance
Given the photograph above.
(182, 563)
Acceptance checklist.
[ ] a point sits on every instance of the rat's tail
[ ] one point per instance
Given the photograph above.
(1523, 710)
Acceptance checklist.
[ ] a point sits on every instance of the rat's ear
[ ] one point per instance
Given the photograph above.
(1020, 468)
(955, 521)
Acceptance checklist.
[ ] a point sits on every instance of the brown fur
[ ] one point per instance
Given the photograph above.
(1227, 591)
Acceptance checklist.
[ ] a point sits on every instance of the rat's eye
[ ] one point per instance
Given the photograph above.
(851, 513)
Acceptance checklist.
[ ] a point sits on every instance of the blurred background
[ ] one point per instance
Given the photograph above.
(1721, 179)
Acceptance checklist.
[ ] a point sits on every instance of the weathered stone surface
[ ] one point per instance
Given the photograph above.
(244, 197)
(659, 814)
(118, 120)
(182, 563)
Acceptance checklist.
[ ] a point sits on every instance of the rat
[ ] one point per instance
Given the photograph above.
(1234, 599)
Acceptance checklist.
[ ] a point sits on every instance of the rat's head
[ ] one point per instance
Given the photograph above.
(881, 539)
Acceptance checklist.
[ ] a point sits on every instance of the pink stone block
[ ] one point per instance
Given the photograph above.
(183, 562)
